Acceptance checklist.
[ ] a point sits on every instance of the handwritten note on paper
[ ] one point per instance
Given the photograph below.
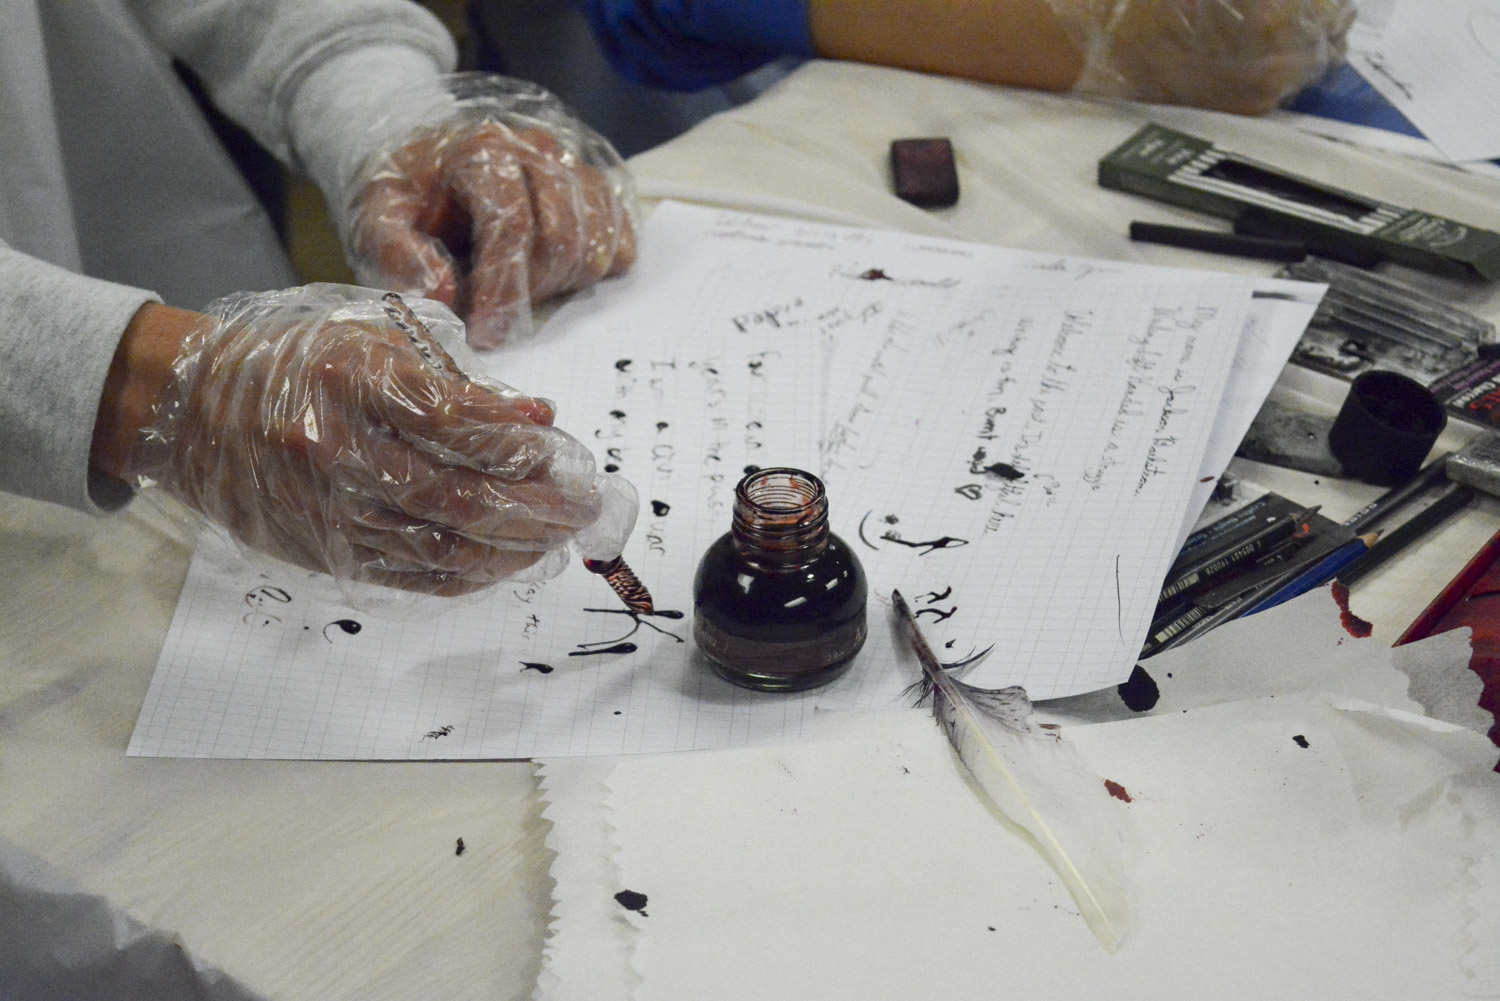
(1439, 64)
(740, 342)
(1040, 519)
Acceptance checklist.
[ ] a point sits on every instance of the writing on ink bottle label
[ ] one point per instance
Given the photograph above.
(779, 600)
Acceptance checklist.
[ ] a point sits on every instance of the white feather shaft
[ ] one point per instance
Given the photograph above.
(1040, 784)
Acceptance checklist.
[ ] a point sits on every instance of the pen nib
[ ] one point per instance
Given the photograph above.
(618, 575)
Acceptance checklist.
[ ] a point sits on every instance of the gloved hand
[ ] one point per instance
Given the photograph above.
(309, 424)
(1233, 55)
(496, 198)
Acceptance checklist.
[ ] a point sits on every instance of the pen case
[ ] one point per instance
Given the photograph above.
(1181, 169)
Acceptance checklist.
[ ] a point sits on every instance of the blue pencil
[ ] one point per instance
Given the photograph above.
(1318, 574)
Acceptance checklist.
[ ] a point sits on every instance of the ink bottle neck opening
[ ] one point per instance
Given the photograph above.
(780, 519)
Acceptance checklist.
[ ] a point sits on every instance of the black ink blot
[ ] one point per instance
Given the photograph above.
(875, 275)
(1300, 740)
(662, 425)
(622, 364)
(347, 625)
(458, 849)
(617, 712)
(269, 591)
(611, 468)
(1005, 470)
(632, 901)
(1139, 692)
(527, 665)
(660, 508)
(751, 469)
(618, 415)
(617, 648)
(637, 619)
(928, 546)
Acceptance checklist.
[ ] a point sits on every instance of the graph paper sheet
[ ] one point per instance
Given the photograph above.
(1052, 414)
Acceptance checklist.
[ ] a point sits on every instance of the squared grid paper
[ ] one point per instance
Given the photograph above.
(735, 342)
(1059, 567)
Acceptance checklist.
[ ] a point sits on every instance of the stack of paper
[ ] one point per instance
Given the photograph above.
(1017, 441)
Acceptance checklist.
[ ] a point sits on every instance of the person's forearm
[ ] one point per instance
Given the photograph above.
(138, 376)
(1014, 42)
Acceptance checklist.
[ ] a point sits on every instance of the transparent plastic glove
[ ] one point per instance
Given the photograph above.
(309, 424)
(1233, 55)
(495, 199)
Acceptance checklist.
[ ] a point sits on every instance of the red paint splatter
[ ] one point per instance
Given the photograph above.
(1353, 624)
(1116, 790)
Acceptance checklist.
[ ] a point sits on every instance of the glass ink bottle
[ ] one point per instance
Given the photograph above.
(779, 600)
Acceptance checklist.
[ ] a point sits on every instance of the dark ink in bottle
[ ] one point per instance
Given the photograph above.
(779, 600)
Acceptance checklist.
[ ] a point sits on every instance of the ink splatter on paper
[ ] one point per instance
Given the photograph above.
(928, 545)
(1139, 691)
(617, 648)
(1353, 624)
(257, 598)
(632, 901)
(347, 625)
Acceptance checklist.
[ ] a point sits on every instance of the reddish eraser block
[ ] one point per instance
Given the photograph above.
(924, 172)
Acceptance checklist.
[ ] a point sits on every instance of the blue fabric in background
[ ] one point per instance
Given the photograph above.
(690, 44)
(1345, 96)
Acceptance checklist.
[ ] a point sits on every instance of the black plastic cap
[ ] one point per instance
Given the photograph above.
(1385, 428)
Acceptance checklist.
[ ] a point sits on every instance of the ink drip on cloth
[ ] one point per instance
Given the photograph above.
(779, 600)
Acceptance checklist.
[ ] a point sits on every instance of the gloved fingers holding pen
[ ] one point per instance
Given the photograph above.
(310, 426)
(495, 199)
(1233, 55)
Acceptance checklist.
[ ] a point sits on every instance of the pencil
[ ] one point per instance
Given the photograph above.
(1408, 532)
(1318, 574)
(1219, 564)
(1229, 610)
(1217, 242)
(1430, 474)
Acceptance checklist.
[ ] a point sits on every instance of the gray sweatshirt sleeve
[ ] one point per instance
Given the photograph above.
(58, 332)
(255, 57)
